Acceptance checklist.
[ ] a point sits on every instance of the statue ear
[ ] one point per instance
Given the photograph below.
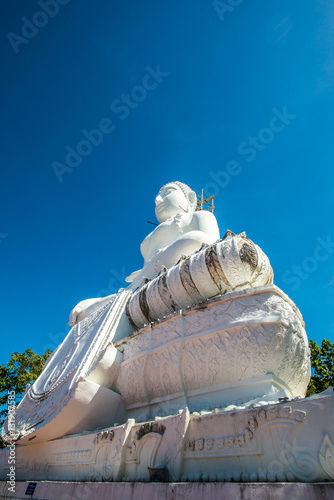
(192, 197)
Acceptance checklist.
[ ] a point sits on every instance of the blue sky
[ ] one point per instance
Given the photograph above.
(235, 97)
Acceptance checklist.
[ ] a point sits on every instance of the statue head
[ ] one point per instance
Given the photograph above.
(174, 198)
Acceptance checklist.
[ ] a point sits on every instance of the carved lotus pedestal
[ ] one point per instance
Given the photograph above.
(237, 349)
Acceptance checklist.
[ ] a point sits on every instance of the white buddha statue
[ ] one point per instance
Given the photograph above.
(182, 231)
(88, 383)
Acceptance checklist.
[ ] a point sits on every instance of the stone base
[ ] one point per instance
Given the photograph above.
(288, 441)
(46, 490)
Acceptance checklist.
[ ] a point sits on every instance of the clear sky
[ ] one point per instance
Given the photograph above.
(235, 97)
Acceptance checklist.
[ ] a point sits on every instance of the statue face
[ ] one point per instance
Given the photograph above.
(169, 202)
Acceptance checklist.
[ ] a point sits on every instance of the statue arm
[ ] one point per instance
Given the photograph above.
(203, 229)
(186, 244)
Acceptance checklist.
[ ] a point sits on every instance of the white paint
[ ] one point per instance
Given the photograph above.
(233, 263)
(211, 373)
(287, 442)
(48, 490)
(181, 231)
(63, 400)
(241, 346)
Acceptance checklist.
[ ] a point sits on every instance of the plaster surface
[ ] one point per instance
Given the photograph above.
(195, 372)
(243, 347)
(48, 490)
(288, 441)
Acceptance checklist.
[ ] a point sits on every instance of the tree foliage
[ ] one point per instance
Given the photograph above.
(22, 369)
(322, 361)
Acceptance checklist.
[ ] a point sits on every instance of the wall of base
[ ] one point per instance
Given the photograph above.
(48, 490)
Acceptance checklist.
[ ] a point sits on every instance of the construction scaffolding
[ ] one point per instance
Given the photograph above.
(205, 203)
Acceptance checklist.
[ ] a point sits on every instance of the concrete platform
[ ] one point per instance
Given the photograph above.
(49, 490)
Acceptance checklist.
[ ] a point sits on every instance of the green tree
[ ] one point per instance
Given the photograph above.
(322, 361)
(22, 369)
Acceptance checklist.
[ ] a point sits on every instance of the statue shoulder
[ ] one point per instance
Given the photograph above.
(206, 221)
(204, 215)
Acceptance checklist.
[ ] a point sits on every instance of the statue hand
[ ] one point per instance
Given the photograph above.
(74, 314)
(85, 308)
(150, 270)
(132, 276)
